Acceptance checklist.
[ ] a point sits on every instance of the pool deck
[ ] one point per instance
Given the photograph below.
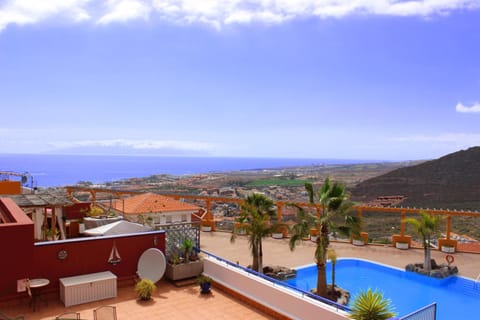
(172, 302)
(277, 252)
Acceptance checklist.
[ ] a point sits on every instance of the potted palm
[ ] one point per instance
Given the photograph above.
(205, 282)
(187, 248)
(183, 263)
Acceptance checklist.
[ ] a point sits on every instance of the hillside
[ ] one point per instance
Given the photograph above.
(452, 181)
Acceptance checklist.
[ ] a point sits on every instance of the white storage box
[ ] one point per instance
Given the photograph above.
(88, 287)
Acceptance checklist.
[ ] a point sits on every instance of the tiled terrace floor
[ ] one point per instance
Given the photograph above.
(171, 302)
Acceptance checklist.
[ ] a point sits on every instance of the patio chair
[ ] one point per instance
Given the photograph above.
(105, 313)
(68, 316)
(3, 316)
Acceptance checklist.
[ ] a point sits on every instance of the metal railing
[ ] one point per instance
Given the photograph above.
(426, 313)
(279, 283)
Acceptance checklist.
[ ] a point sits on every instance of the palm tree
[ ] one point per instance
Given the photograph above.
(332, 256)
(425, 227)
(333, 202)
(370, 305)
(255, 215)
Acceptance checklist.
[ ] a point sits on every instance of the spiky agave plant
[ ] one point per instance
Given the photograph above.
(370, 305)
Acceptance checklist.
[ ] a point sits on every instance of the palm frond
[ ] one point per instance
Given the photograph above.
(293, 241)
(309, 189)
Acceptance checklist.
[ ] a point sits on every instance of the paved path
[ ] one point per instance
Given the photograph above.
(277, 252)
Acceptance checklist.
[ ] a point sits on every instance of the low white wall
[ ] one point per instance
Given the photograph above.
(284, 301)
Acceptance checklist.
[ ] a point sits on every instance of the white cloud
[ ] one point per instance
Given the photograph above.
(135, 144)
(33, 11)
(457, 139)
(218, 12)
(465, 109)
(437, 144)
(124, 10)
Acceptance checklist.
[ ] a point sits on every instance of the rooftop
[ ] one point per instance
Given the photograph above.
(150, 202)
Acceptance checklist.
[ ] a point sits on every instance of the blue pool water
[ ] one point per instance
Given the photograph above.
(456, 297)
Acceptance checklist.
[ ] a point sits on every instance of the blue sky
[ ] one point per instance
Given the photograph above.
(366, 79)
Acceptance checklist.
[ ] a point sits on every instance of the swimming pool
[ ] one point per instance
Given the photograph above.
(456, 297)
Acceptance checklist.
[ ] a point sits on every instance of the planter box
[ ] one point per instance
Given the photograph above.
(401, 245)
(277, 235)
(206, 228)
(184, 270)
(448, 249)
(358, 242)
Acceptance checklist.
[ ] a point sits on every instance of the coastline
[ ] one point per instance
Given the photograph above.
(62, 170)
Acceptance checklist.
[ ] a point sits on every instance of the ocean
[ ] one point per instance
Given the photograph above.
(62, 170)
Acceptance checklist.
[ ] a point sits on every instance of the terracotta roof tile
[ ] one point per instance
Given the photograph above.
(150, 202)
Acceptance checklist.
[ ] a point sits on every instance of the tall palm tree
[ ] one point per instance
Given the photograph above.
(333, 201)
(255, 215)
(425, 227)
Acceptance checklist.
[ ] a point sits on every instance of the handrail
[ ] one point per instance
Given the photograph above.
(419, 314)
(279, 283)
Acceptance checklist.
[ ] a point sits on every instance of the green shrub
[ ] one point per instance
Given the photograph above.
(145, 288)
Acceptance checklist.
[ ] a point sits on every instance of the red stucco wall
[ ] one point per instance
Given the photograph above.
(76, 211)
(88, 255)
(16, 246)
(21, 258)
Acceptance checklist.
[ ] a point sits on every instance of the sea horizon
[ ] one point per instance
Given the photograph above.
(52, 170)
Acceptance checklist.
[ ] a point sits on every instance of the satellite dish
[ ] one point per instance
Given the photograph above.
(24, 179)
(151, 265)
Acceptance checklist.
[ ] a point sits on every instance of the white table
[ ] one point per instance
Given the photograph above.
(36, 286)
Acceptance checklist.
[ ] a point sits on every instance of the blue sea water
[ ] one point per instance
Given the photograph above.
(61, 170)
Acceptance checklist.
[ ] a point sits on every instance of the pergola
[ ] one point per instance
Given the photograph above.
(209, 220)
(44, 201)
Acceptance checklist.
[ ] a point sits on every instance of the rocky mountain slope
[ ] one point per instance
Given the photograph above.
(452, 181)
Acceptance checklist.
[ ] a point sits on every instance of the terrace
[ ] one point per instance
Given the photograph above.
(185, 302)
